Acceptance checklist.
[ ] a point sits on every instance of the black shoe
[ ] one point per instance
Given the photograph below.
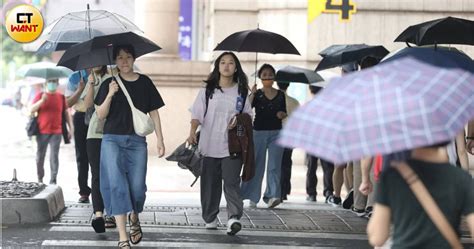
(349, 201)
(98, 223)
(311, 198)
(334, 201)
(84, 199)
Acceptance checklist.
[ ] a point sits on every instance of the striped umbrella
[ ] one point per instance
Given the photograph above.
(395, 106)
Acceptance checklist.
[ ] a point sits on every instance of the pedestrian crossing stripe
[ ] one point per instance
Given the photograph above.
(202, 231)
(158, 244)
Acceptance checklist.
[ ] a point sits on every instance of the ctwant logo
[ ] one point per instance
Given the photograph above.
(24, 23)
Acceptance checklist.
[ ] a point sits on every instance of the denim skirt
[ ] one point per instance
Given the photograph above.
(123, 164)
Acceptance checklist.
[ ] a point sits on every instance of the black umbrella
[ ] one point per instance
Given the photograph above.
(258, 41)
(340, 47)
(297, 74)
(98, 50)
(349, 54)
(449, 30)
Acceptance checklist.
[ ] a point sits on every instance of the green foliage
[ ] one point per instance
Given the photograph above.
(12, 51)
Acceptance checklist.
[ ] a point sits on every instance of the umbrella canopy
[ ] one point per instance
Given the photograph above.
(98, 50)
(81, 26)
(440, 57)
(341, 47)
(394, 106)
(44, 70)
(297, 74)
(343, 54)
(29, 81)
(257, 40)
(449, 30)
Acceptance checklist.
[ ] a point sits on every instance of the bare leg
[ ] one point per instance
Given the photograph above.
(349, 177)
(121, 226)
(338, 180)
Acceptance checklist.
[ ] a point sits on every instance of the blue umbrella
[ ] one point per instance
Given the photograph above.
(439, 57)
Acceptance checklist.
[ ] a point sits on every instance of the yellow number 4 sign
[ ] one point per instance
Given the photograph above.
(345, 8)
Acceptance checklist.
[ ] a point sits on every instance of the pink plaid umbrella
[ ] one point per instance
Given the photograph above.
(391, 107)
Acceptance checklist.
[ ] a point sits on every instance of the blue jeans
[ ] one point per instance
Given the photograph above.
(123, 164)
(263, 141)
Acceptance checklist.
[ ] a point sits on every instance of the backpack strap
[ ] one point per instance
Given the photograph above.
(244, 98)
(208, 96)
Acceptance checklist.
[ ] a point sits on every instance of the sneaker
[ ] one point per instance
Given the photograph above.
(273, 202)
(358, 212)
(311, 198)
(83, 199)
(367, 215)
(252, 204)
(334, 201)
(368, 212)
(233, 226)
(347, 203)
(327, 198)
(212, 225)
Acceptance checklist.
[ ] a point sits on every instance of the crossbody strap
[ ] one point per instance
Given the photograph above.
(429, 205)
(125, 92)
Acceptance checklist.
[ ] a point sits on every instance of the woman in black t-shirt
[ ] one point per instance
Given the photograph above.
(123, 159)
(270, 109)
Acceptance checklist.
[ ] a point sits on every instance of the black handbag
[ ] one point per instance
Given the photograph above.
(188, 157)
(32, 128)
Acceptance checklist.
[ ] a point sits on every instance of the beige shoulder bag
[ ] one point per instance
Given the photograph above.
(142, 123)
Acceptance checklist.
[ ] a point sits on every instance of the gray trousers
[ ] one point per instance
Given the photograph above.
(360, 200)
(214, 171)
(42, 140)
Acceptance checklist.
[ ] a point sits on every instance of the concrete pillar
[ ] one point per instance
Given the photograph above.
(159, 20)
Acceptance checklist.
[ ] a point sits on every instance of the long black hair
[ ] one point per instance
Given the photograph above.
(239, 76)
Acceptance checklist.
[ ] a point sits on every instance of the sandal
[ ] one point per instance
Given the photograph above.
(110, 222)
(98, 224)
(124, 244)
(135, 230)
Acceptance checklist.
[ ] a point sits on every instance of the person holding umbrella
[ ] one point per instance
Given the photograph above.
(123, 155)
(214, 109)
(94, 139)
(270, 110)
(51, 108)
